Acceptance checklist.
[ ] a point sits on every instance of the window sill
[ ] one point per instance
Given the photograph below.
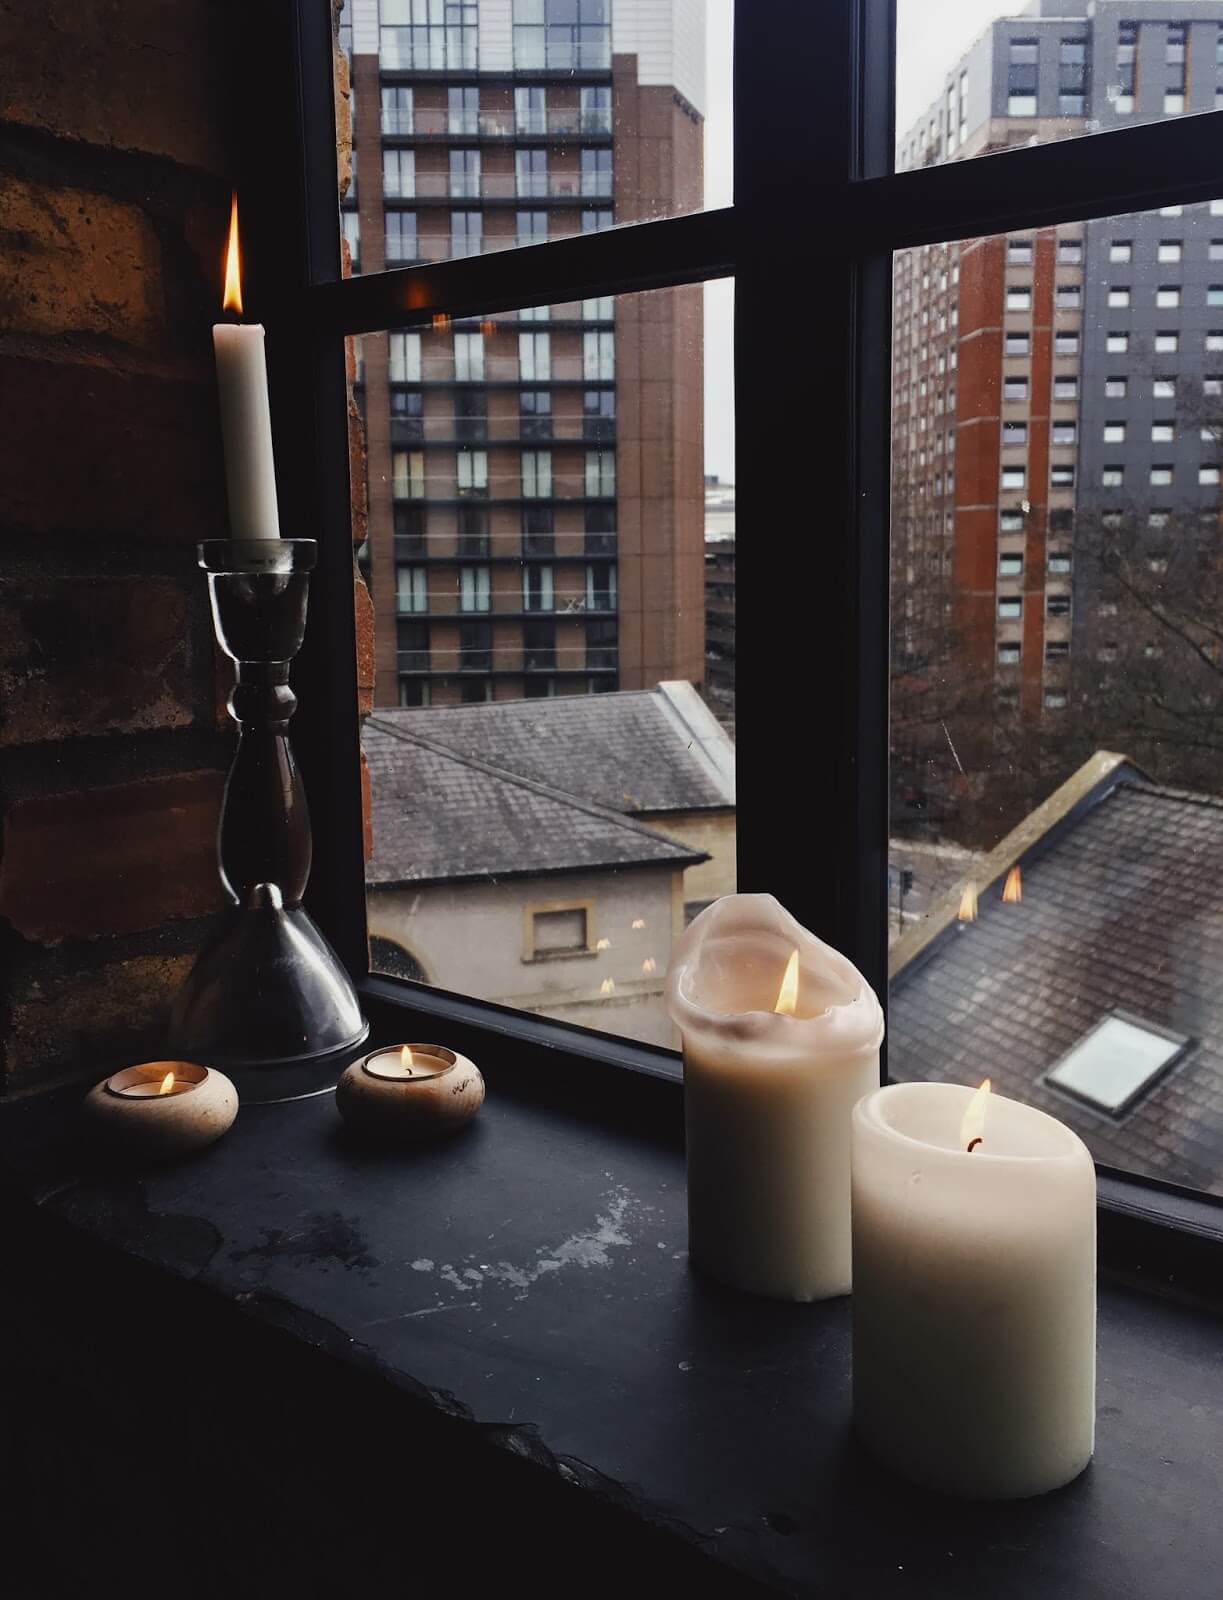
(541, 958)
(543, 1308)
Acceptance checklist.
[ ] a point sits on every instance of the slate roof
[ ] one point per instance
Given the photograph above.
(1122, 909)
(645, 751)
(438, 816)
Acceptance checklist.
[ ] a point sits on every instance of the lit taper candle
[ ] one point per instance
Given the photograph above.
(246, 417)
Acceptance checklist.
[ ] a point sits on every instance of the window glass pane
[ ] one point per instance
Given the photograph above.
(486, 110)
(1057, 684)
(522, 547)
(978, 77)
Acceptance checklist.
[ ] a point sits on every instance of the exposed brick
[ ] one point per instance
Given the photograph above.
(365, 647)
(76, 262)
(127, 74)
(89, 1022)
(82, 657)
(112, 452)
(113, 860)
(357, 472)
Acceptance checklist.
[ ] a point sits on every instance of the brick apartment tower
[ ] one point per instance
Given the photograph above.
(1028, 371)
(536, 490)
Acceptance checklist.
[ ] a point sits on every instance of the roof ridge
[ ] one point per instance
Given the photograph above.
(1167, 791)
(505, 775)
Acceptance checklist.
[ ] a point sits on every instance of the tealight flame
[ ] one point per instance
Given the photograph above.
(638, 923)
(1012, 893)
(602, 944)
(233, 264)
(167, 1084)
(441, 322)
(649, 965)
(488, 329)
(968, 904)
(608, 986)
(406, 1059)
(972, 1129)
(787, 995)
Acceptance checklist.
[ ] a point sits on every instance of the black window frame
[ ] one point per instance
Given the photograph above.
(816, 120)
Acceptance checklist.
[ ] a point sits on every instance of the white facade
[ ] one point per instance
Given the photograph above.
(668, 39)
(365, 27)
(496, 36)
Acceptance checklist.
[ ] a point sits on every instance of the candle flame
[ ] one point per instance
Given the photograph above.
(649, 965)
(972, 1129)
(233, 264)
(638, 922)
(1012, 893)
(787, 995)
(406, 1059)
(968, 904)
(167, 1083)
(608, 986)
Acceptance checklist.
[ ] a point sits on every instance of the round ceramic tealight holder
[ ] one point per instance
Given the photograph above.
(159, 1110)
(411, 1092)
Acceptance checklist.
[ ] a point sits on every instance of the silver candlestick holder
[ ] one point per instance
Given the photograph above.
(267, 1001)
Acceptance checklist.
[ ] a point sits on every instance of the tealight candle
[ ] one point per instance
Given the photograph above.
(781, 1036)
(974, 1234)
(160, 1109)
(411, 1091)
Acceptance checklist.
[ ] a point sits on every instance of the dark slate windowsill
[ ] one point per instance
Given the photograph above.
(529, 1281)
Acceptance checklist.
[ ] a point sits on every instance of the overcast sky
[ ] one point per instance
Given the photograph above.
(930, 35)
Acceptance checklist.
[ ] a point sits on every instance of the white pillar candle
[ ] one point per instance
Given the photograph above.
(974, 1291)
(246, 415)
(771, 1073)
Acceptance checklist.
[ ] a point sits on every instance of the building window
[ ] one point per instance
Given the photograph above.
(560, 931)
(469, 357)
(1214, 295)
(1174, 104)
(404, 357)
(600, 474)
(1208, 475)
(412, 645)
(466, 233)
(539, 646)
(1057, 605)
(407, 416)
(398, 174)
(531, 112)
(1212, 386)
(1010, 566)
(472, 523)
(463, 112)
(1171, 211)
(1019, 299)
(562, 35)
(1014, 388)
(1014, 433)
(475, 589)
(1019, 252)
(408, 474)
(1118, 299)
(1069, 297)
(472, 472)
(1010, 608)
(1167, 299)
(600, 530)
(599, 416)
(1116, 1062)
(1069, 252)
(1214, 341)
(536, 474)
(1009, 654)
(535, 414)
(428, 35)
(538, 531)
(1114, 433)
(397, 111)
(1017, 344)
(601, 649)
(595, 220)
(531, 174)
(1010, 522)
(1061, 477)
(596, 109)
(1058, 565)
(1117, 343)
(1167, 343)
(599, 309)
(531, 227)
(1163, 389)
(1065, 388)
(1063, 432)
(408, 524)
(1121, 252)
(399, 232)
(475, 646)
(1169, 250)
(534, 357)
(1112, 477)
(1161, 476)
(1065, 344)
(597, 173)
(411, 590)
(599, 356)
(537, 589)
(1013, 477)
(601, 586)
(1162, 432)
(1021, 105)
(471, 414)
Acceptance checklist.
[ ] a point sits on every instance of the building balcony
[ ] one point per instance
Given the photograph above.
(448, 187)
(564, 122)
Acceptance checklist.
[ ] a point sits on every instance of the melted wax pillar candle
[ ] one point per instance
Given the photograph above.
(781, 1039)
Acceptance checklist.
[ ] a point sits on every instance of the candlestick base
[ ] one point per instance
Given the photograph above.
(267, 1001)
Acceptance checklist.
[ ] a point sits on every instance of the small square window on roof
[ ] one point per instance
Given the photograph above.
(1116, 1062)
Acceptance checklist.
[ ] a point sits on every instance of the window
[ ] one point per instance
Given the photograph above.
(601, 586)
(1117, 343)
(534, 357)
(1009, 654)
(1058, 565)
(1065, 388)
(1010, 522)
(1061, 477)
(1010, 566)
(472, 472)
(531, 227)
(407, 416)
(475, 588)
(1163, 389)
(1214, 341)
(1208, 475)
(1112, 477)
(411, 589)
(404, 357)
(531, 174)
(466, 233)
(596, 109)
(597, 173)
(408, 474)
(1065, 344)
(1069, 297)
(600, 473)
(1118, 299)
(428, 35)
(595, 220)
(1057, 605)
(1169, 250)
(408, 522)
(1216, 250)
(1114, 433)
(469, 357)
(475, 646)
(1116, 1063)
(1013, 477)
(464, 174)
(400, 237)
(538, 647)
(599, 416)
(1167, 343)
(1021, 105)
(1063, 432)
(599, 356)
(1010, 608)
(1014, 433)
(1014, 388)
(535, 414)
(1214, 295)
(396, 110)
(1161, 476)
(602, 653)
(1069, 253)
(1162, 432)
(471, 415)
(530, 111)
(412, 645)
(1019, 252)
(1121, 252)
(562, 35)
(538, 531)
(559, 932)
(1174, 104)
(398, 174)
(536, 474)
(1017, 344)
(600, 526)
(472, 524)
(537, 590)
(1167, 299)
(1019, 299)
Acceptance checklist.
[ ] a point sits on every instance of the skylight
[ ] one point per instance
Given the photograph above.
(1115, 1062)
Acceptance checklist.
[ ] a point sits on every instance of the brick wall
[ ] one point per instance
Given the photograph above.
(114, 189)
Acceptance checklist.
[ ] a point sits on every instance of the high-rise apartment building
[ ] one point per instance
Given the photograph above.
(536, 490)
(1049, 381)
